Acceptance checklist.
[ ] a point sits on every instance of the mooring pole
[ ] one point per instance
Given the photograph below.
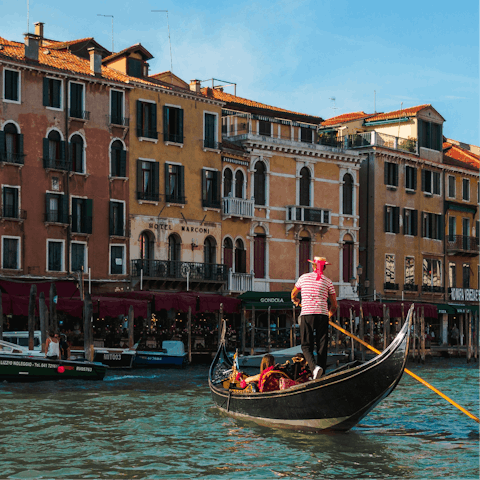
(43, 320)
(268, 335)
(131, 324)
(31, 316)
(244, 320)
(189, 335)
(252, 333)
(422, 338)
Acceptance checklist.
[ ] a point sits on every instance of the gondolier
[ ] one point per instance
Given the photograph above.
(316, 290)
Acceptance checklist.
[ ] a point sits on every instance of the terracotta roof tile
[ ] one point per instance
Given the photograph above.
(460, 155)
(137, 46)
(405, 112)
(346, 117)
(60, 45)
(234, 101)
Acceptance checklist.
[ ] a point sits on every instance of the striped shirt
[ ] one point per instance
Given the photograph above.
(314, 293)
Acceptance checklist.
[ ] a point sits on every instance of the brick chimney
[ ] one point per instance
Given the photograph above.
(32, 42)
(195, 86)
(95, 61)
(39, 30)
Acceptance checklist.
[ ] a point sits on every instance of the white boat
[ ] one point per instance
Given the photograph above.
(113, 357)
(281, 356)
(171, 354)
(15, 349)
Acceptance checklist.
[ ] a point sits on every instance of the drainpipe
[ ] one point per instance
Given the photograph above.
(67, 182)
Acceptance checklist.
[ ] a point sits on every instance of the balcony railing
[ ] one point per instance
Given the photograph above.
(56, 164)
(56, 217)
(177, 270)
(462, 244)
(432, 289)
(239, 282)
(238, 207)
(117, 120)
(366, 139)
(9, 157)
(172, 137)
(390, 286)
(83, 225)
(146, 133)
(79, 114)
(298, 213)
(410, 287)
(148, 196)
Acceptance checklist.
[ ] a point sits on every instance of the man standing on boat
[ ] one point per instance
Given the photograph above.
(316, 290)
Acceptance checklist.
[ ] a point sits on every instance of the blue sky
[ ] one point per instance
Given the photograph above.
(297, 54)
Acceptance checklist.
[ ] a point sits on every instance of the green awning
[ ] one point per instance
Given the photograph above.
(464, 308)
(445, 308)
(263, 300)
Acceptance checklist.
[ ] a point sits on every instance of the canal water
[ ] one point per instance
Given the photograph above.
(150, 424)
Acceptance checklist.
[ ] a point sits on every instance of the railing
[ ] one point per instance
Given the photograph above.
(10, 157)
(56, 217)
(56, 164)
(238, 207)
(13, 213)
(171, 269)
(390, 286)
(298, 213)
(432, 289)
(366, 139)
(208, 143)
(239, 282)
(176, 199)
(119, 231)
(462, 243)
(117, 120)
(80, 114)
(172, 137)
(148, 196)
(410, 287)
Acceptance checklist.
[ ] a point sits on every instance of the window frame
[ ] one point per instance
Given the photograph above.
(411, 178)
(62, 259)
(124, 259)
(140, 128)
(122, 160)
(84, 90)
(466, 189)
(391, 219)
(19, 251)
(412, 223)
(394, 273)
(215, 133)
(391, 174)
(114, 232)
(433, 183)
(178, 198)
(122, 116)
(17, 200)
(179, 135)
(409, 266)
(61, 107)
(451, 186)
(19, 86)
(85, 255)
(86, 227)
(84, 154)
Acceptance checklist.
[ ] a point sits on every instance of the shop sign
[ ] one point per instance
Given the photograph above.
(272, 300)
(464, 294)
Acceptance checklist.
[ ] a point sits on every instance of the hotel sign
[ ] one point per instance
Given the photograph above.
(464, 294)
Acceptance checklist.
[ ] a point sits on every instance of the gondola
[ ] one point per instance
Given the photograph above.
(334, 402)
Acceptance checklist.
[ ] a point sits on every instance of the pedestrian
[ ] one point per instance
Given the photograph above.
(316, 290)
(52, 346)
(64, 348)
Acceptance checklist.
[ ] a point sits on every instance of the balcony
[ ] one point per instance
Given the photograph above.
(175, 274)
(239, 282)
(238, 207)
(298, 215)
(10, 157)
(78, 114)
(56, 164)
(12, 213)
(118, 121)
(147, 133)
(462, 245)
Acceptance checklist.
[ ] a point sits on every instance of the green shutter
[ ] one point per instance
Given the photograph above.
(88, 215)
(2, 143)
(63, 206)
(139, 180)
(123, 164)
(216, 187)
(57, 85)
(385, 173)
(139, 119)
(46, 102)
(19, 143)
(414, 178)
(414, 222)
(180, 126)
(45, 153)
(153, 120)
(121, 219)
(111, 224)
(167, 189)
(396, 219)
(165, 123)
(204, 186)
(47, 205)
(423, 180)
(156, 179)
(420, 134)
(62, 150)
(114, 113)
(74, 214)
(181, 183)
(385, 219)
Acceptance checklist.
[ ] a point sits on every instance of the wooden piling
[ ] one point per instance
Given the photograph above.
(252, 333)
(469, 336)
(371, 324)
(87, 327)
(1, 317)
(293, 330)
(475, 350)
(31, 316)
(131, 324)
(189, 340)
(361, 332)
(268, 333)
(352, 344)
(422, 336)
(220, 323)
(42, 308)
(244, 327)
(53, 322)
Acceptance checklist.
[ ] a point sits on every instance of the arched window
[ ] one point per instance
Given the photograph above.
(228, 252)
(239, 180)
(209, 250)
(146, 251)
(347, 273)
(260, 253)
(305, 187)
(240, 257)
(259, 178)
(118, 160)
(227, 182)
(347, 194)
(76, 153)
(11, 144)
(303, 255)
(54, 146)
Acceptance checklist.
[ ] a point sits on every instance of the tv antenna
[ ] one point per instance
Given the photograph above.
(169, 41)
(28, 16)
(334, 107)
(110, 16)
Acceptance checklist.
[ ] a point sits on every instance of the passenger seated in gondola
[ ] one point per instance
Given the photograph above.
(298, 372)
(268, 362)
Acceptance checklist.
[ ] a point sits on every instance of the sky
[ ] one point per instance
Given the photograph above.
(319, 57)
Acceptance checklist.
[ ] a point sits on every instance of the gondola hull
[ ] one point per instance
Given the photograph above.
(337, 401)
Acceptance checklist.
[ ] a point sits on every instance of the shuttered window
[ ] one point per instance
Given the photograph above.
(11, 86)
(172, 124)
(210, 137)
(10, 253)
(116, 107)
(82, 215)
(55, 256)
(174, 184)
(259, 255)
(147, 120)
(76, 100)
(117, 221)
(391, 174)
(78, 257)
(148, 181)
(118, 160)
(259, 180)
(52, 89)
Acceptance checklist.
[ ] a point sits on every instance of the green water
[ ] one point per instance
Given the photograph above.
(162, 424)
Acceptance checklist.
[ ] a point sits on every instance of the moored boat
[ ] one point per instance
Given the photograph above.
(171, 354)
(337, 401)
(112, 357)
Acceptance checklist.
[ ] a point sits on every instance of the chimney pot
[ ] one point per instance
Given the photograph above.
(195, 86)
(39, 29)
(32, 42)
(95, 61)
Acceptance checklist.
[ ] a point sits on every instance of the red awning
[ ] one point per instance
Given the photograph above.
(65, 288)
(375, 309)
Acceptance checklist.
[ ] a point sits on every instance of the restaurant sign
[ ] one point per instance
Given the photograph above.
(464, 294)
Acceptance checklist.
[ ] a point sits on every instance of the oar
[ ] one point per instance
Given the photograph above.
(416, 377)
